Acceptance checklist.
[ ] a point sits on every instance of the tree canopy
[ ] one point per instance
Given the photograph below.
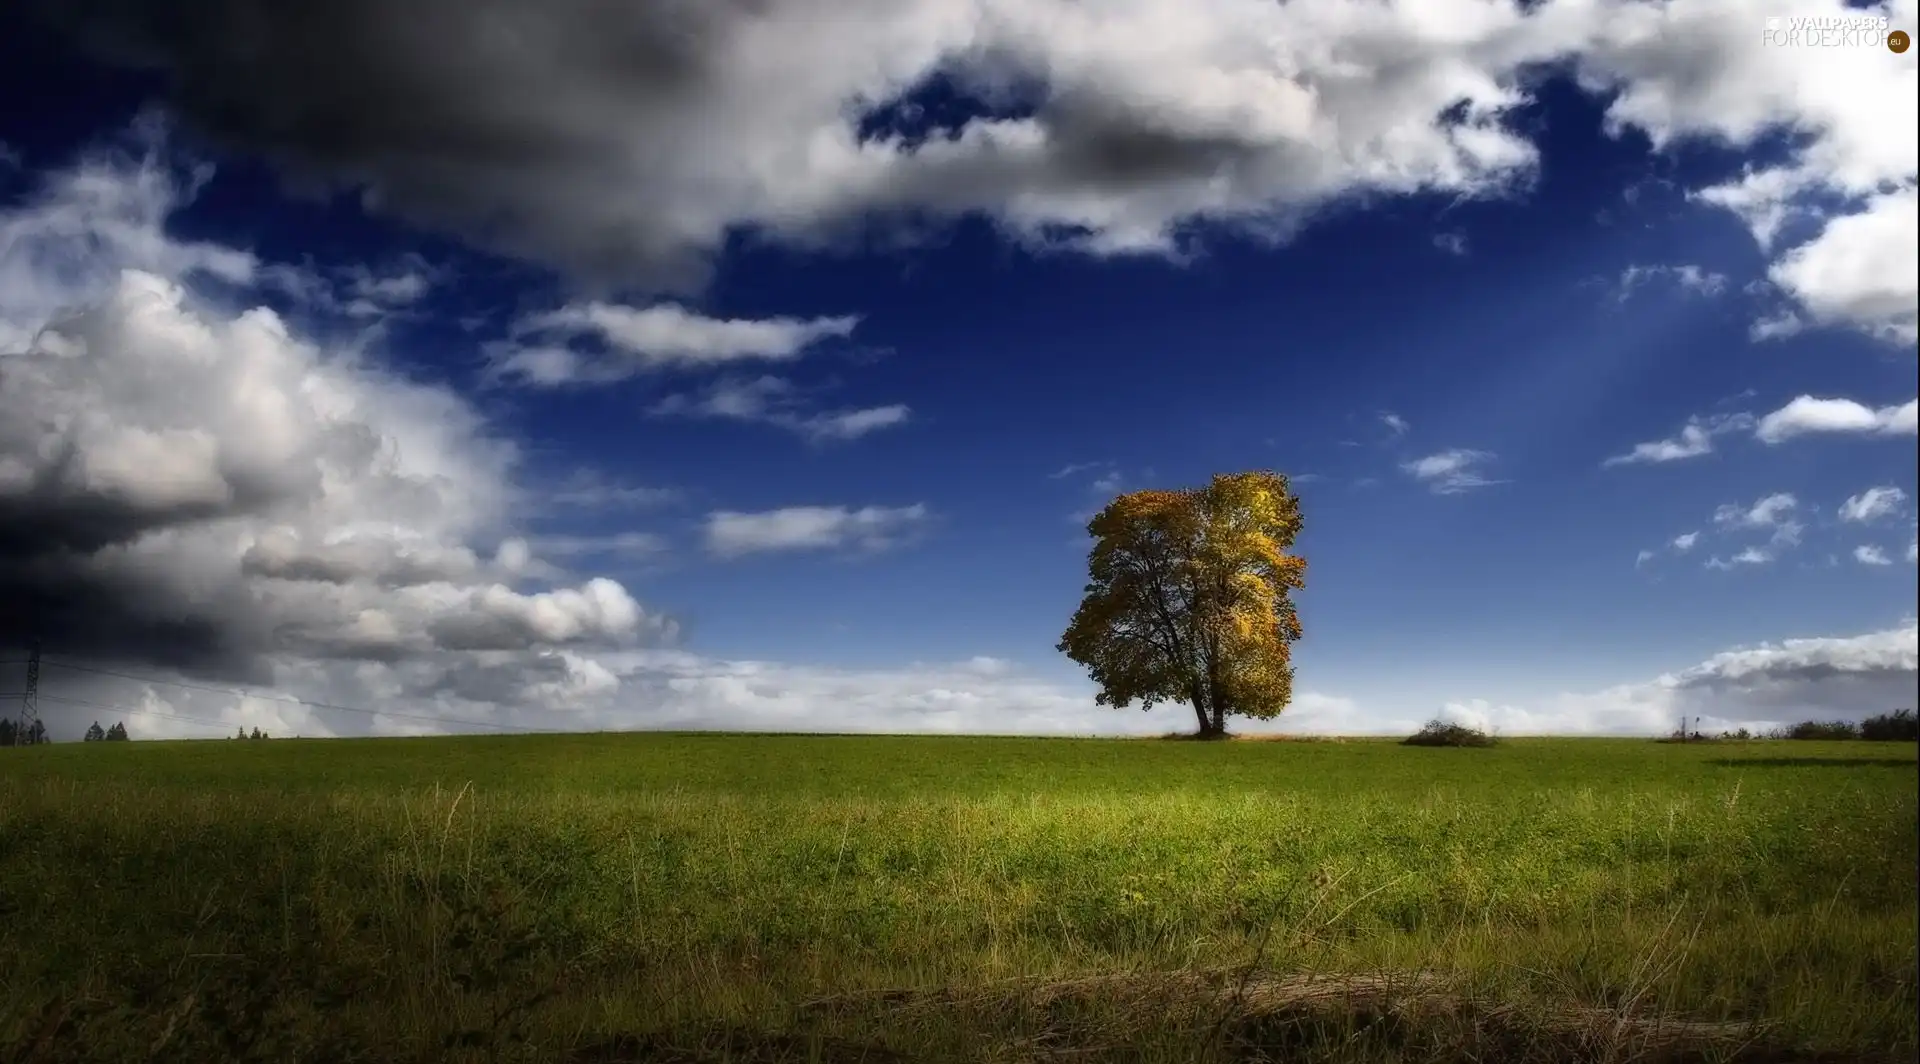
(1189, 599)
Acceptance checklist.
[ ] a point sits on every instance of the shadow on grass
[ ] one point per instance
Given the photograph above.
(1815, 762)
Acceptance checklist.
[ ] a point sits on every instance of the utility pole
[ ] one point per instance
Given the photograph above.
(30, 726)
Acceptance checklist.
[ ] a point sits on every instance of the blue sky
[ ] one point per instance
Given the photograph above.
(833, 428)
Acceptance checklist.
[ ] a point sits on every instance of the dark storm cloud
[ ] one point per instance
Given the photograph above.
(482, 117)
(206, 491)
(74, 608)
(628, 142)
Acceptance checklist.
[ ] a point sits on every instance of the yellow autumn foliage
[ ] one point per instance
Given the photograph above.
(1188, 599)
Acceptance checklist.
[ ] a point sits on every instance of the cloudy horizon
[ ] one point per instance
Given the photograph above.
(482, 366)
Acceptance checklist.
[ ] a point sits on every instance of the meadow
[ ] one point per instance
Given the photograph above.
(682, 897)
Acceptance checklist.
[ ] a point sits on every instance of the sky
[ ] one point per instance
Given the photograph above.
(470, 365)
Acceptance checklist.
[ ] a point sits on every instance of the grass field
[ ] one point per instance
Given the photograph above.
(734, 897)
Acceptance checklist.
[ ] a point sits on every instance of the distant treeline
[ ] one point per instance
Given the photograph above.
(1898, 726)
(11, 734)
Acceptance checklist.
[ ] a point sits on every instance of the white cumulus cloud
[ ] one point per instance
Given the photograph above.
(188, 484)
(1807, 415)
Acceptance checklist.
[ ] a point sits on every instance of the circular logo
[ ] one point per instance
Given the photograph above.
(1897, 41)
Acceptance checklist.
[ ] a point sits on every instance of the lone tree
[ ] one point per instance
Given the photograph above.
(1188, 599)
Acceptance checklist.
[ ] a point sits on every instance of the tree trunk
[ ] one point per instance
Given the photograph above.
(1207, 710)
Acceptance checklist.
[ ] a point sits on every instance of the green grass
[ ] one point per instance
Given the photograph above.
(681, 897)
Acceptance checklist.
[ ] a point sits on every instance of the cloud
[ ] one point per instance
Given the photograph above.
(1748, 556)
(1867, 554)
(1777, 326)
(1774, 514)
(1451, 472)
(188, 486)
(853, 424)
(1680, 544)
(1395, 424)
(1758, 688)
(1451, 243)
(1690, 279)
(1807, 415)
(1755, 687)
(72, 235)
(730, 534)
(1694, 72)
(628, 544)
(1695, 440)
(1802, 416)
(1102, 478)
(1873, 504)
(635, 141)
(632, 341)
(775, 401)
(1770, 511)
(1857, 273)
(355, 291)
(587, 489)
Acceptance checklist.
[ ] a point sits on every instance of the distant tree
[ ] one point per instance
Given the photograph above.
(94, 734)
(1897, 726)
(1188, 599)
(1439, 732)
(117, 733)
(12, 734)
(1819, 730)
(256, 732)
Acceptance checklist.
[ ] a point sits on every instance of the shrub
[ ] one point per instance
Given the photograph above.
(1819, 729)
(1443, 733)
(1900, 725)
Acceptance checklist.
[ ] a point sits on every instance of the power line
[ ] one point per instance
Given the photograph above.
(111, 707)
